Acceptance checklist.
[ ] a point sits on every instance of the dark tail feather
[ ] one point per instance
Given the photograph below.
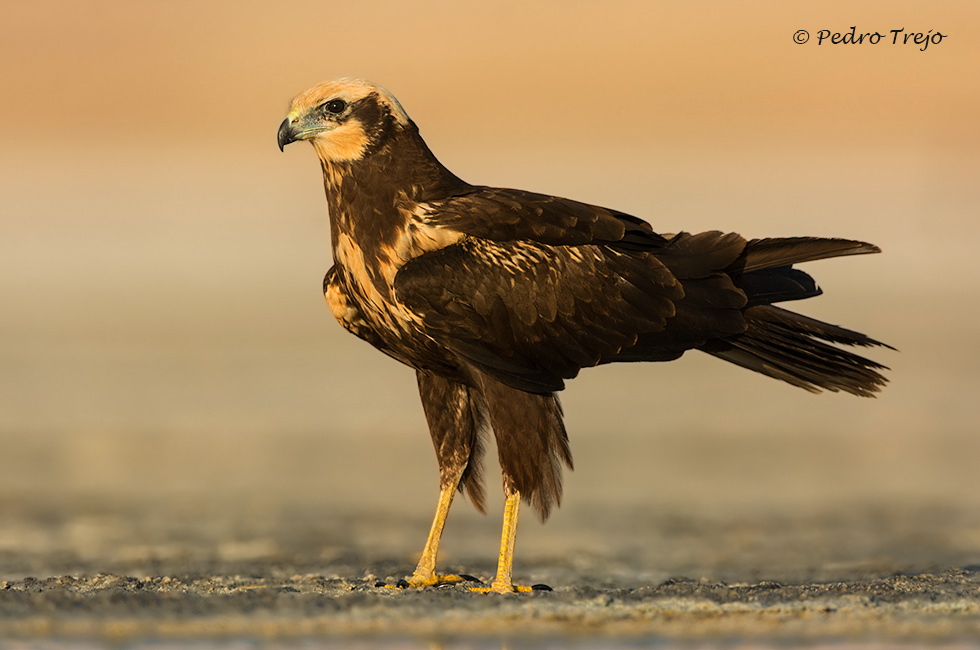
(764, 269)
(791, 347)
(784, 251)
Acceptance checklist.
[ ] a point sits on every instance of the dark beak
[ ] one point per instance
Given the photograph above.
(286, 134)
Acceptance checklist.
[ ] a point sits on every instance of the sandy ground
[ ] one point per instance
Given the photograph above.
(183, 545)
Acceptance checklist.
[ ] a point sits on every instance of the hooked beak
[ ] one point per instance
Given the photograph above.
(293, 129)
(287, 133)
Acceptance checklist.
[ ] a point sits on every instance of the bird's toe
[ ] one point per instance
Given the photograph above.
(505, 588)
(436, 580)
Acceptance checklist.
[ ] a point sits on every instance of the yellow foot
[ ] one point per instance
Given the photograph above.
(504, 588)
(418, 582)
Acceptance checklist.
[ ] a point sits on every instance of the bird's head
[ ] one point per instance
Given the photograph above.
(343, 119)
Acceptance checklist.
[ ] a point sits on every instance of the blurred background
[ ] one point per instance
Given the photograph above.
(164, 344)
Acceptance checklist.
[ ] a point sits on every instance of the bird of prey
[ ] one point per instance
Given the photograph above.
(497, 296)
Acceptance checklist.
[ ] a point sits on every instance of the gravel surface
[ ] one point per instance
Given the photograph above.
(143, 541)
(921, 606)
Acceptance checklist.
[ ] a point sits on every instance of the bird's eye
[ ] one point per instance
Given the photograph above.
(336, 106)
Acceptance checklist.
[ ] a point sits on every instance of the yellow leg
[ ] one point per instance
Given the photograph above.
(425, 573)
(503, 582)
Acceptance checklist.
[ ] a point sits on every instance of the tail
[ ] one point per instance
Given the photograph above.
(788, 346)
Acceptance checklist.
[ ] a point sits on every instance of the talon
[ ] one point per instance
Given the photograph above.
(380, 583)
(509, 589)
(420, 582)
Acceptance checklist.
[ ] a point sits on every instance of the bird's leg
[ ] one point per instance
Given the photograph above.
(425, 573)
(503, 582)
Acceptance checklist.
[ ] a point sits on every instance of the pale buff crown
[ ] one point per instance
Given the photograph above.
(349, 90)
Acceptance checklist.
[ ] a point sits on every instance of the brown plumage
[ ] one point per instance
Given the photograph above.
(497, 296)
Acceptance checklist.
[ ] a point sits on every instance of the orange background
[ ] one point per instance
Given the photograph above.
(161, 260)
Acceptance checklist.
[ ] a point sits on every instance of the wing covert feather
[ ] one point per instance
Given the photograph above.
(510, 215)
(532, 315)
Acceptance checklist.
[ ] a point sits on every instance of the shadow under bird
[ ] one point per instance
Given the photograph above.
(497, 296)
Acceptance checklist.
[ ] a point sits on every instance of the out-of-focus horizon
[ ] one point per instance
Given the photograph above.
(161, 259)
